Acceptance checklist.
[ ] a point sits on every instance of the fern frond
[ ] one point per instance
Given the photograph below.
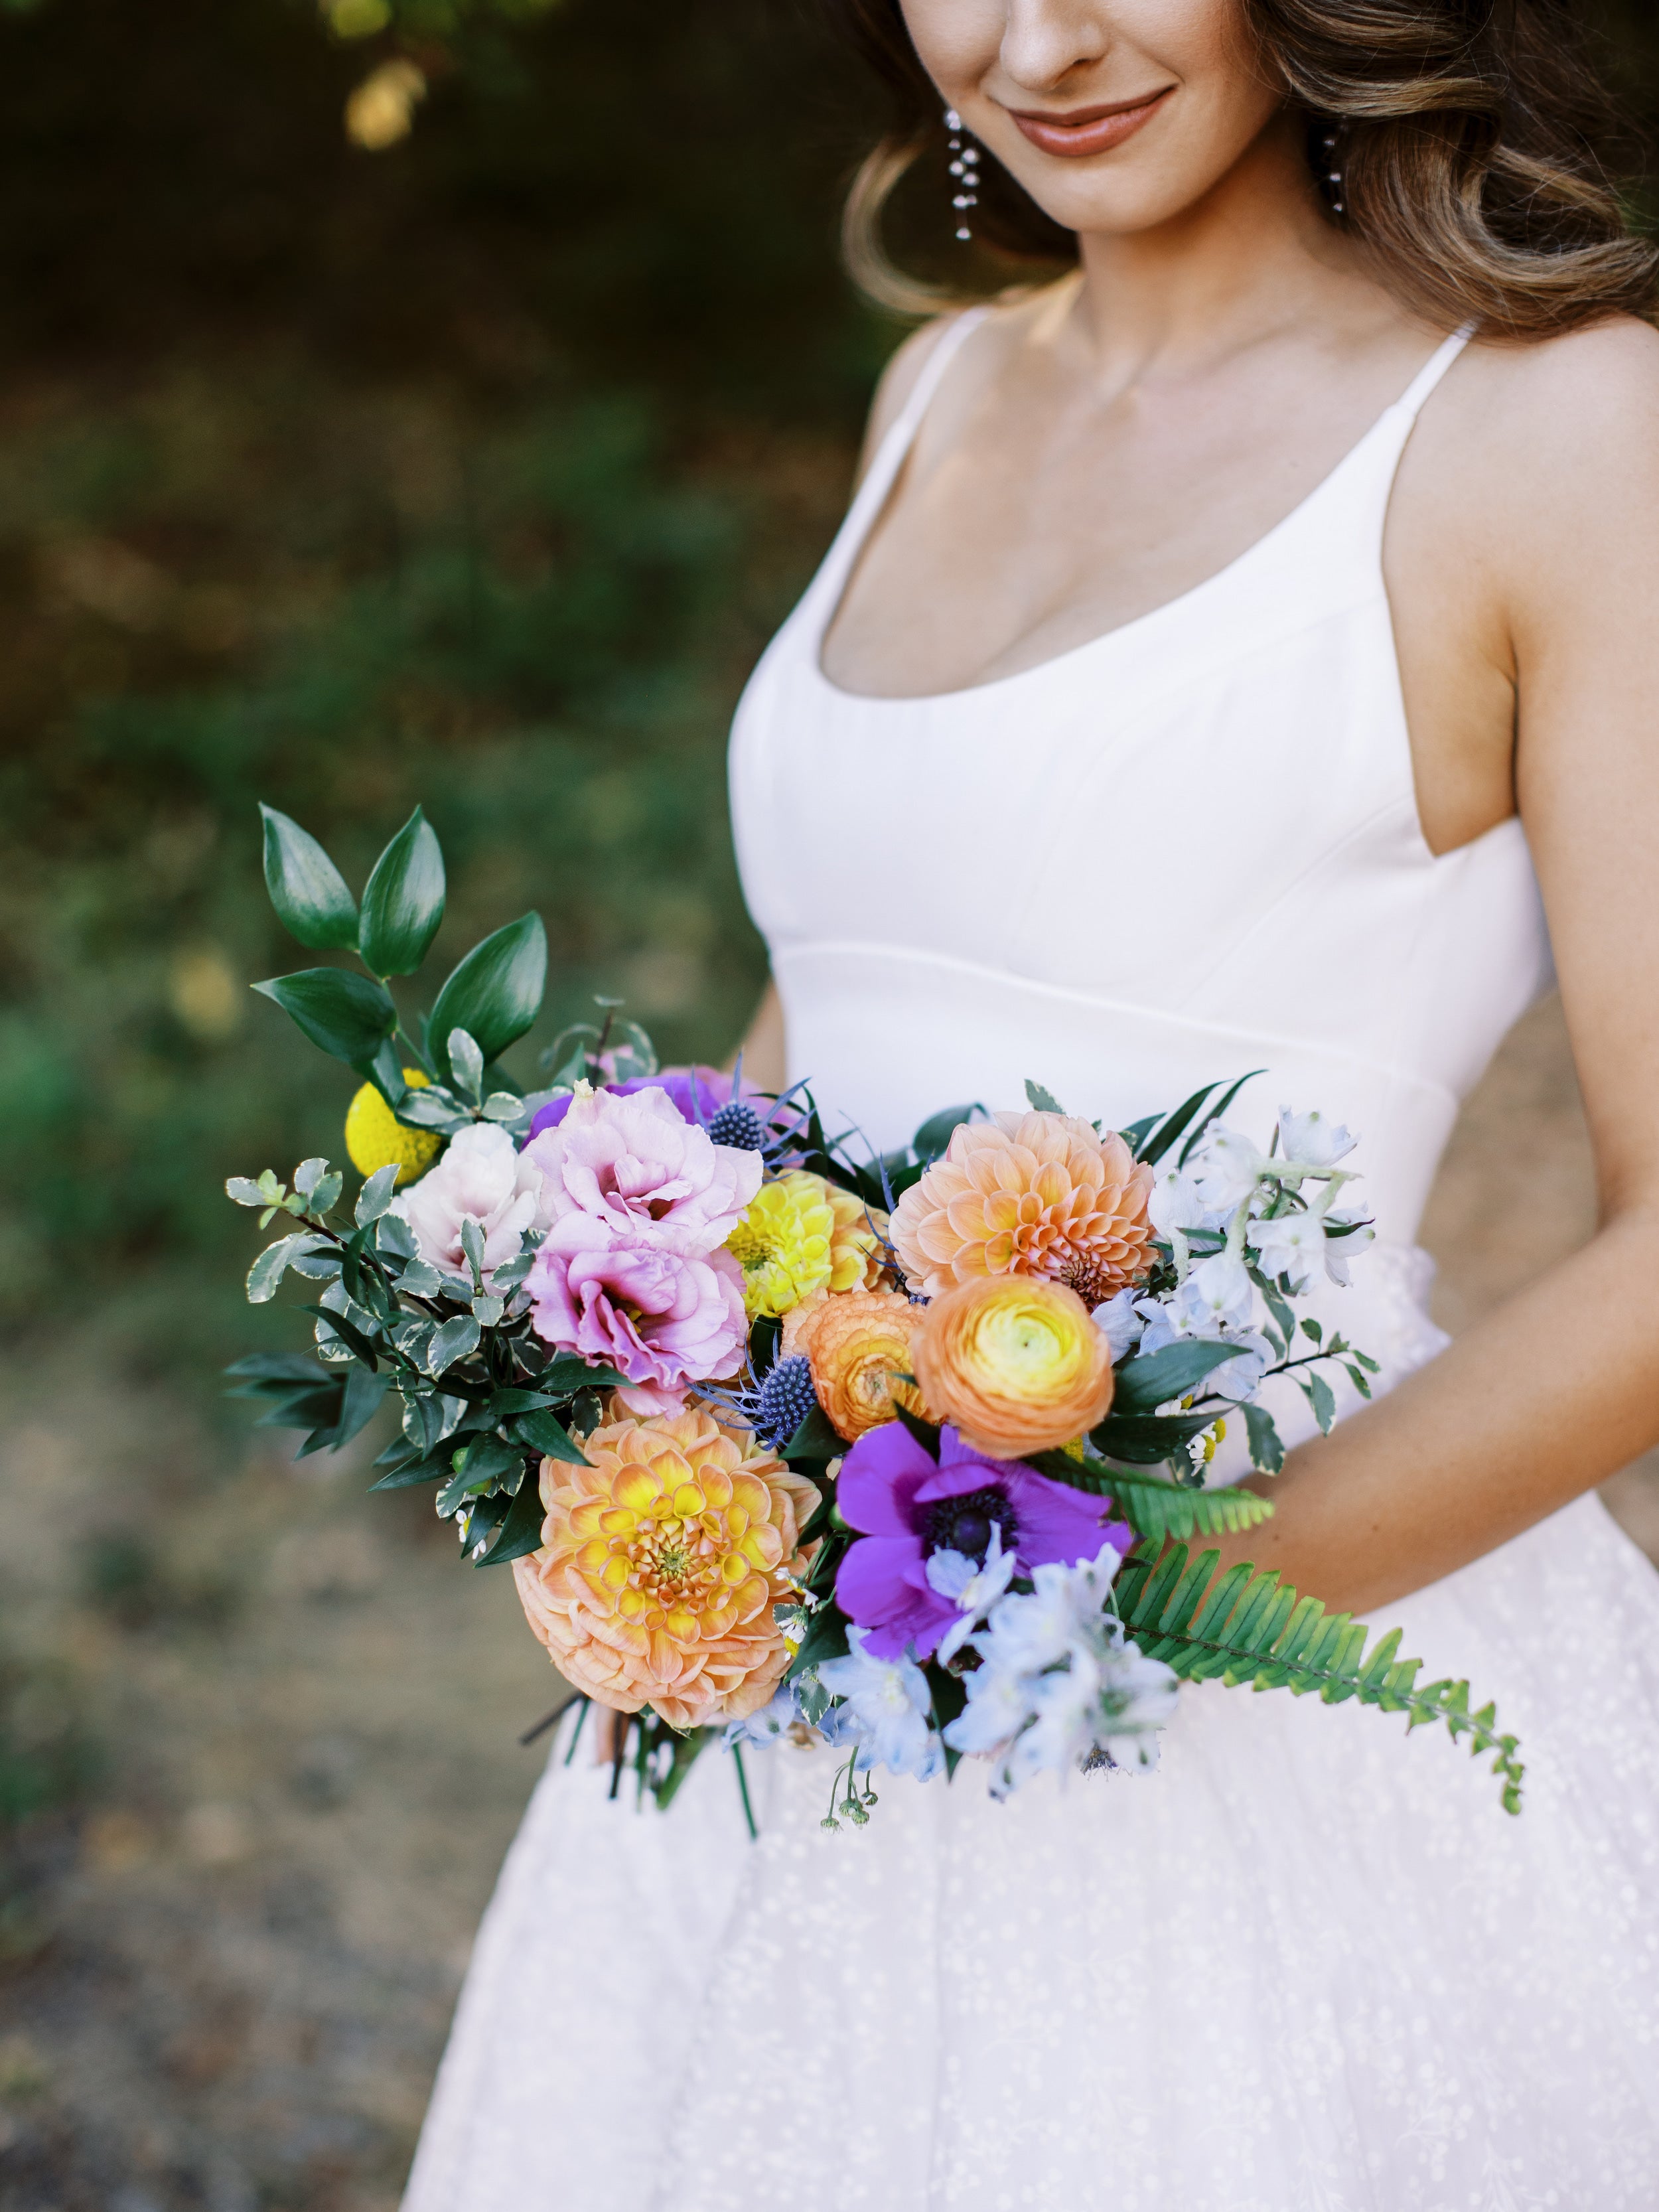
(1249, 1627)
(1153, 1505)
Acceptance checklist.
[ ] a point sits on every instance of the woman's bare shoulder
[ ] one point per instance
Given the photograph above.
(1006, 319)
(1537, 466)
(1573, 418)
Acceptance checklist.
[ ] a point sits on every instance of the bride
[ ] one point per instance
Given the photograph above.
(1236, 651)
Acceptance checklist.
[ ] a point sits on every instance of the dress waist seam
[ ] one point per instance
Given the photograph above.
(784, 954)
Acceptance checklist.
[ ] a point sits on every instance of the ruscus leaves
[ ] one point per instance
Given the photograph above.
(308, 891)
(403, 901)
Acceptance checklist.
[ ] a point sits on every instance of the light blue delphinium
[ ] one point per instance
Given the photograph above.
(883, 1712)
(973, 1588)
(765, 1727)
(1058, 1685)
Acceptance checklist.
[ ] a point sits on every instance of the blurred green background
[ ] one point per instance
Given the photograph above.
(412, 400)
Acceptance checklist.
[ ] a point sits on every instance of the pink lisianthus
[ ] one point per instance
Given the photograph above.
(635, 1164)
(481, 1178)
(662, 1317)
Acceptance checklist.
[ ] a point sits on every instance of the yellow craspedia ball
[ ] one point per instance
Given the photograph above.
(374, 1137)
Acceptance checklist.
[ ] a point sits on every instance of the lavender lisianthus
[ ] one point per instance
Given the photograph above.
(908, 1506)
(662, 1317)
(632, 1160)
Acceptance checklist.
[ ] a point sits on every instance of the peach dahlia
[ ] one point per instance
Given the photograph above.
(660, 1563)
(1030, 1193)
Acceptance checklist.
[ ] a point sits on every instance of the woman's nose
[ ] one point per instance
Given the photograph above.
(1045, 40)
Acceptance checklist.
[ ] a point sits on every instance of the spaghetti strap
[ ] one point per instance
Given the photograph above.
(934, 370)
(1424, 382)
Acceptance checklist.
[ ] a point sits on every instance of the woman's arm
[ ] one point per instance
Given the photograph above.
(1559, 489)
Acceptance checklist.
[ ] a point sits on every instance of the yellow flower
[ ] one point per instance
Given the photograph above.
(857, 1346)
(660, 1563)
(1014, 1362)
(374, 1137)
(802, 1236)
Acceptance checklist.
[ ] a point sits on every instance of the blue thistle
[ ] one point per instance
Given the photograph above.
(784, 1400)
(738, 1124)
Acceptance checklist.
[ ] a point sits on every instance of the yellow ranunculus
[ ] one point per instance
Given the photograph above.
(1015, 1363)
(374, 1137)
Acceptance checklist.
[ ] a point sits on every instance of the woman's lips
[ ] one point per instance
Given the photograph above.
(1092, 130)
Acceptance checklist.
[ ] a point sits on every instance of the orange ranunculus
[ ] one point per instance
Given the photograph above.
(660, 1564)
(1014, 1363)
(1027, 1195)
(859, 1344)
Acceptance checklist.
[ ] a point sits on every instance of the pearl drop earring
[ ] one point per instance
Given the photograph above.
(1333, 183)
(964, 168)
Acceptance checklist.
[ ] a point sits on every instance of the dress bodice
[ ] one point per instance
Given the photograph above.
(1189, 849)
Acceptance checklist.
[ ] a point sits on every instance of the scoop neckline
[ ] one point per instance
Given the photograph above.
(1226, 574)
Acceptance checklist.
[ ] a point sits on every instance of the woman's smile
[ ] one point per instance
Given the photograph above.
(1086, 130)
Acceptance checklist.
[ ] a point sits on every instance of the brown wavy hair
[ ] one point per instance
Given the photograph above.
(1485, 166)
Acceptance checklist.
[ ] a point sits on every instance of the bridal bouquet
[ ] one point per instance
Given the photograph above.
(903, 1453)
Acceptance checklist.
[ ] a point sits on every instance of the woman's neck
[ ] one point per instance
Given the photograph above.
(1256, 253)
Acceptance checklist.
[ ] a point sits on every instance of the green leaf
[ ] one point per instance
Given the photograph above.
(308, 891)
(375, 1195)
(465, 1065)
(825, 1639)
(403, 901)
(544, 1432)
(453, 1341)
(489, 1459)
(496, 993)
(1157, 1377)
(1267, 1445)
(1157, 1141)
(936, 1131)
(364, 1394)
(816, 1439)
(346, 1015)
(1320, 1395)
(434, 1467)
(567, 1372)
(520, 1533)
(1249, 1627)
(273, 1263)
(261, 1370)
(1043, 1101)
(1145, 1439)
(1217, 1112)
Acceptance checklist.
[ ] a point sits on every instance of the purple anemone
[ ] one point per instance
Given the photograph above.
(909, 1505)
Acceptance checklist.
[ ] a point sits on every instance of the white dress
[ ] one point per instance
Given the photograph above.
(1310, 1965)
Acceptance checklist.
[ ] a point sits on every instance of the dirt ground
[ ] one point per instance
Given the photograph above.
(225, 1969)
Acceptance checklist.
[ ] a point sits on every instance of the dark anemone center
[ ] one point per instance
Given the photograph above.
(964, 1524)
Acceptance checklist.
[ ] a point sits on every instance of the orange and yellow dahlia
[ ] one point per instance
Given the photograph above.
(1027, 1195)
(1014, 1363)
(659, 1565)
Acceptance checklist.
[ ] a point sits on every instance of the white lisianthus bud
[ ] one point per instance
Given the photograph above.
(1310, 1140)
(1173, 1203)
(1293, 1245)
(1227, 1169)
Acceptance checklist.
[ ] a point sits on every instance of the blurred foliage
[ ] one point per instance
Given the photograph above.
(473, 473)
